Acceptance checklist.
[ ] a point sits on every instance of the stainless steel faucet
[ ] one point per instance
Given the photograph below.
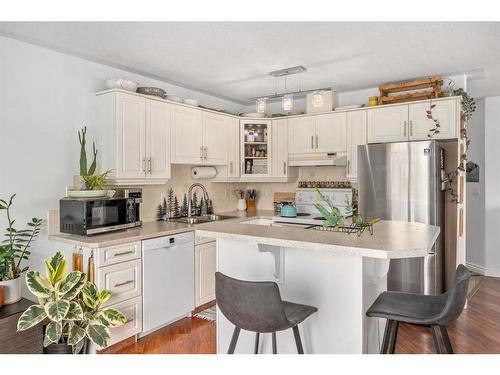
(190, 195)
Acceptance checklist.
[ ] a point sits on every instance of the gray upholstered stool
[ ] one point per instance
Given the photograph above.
(434, 311)
(257, 307)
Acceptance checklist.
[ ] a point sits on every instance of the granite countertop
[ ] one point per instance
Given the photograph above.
(391, 239)
(146, 231)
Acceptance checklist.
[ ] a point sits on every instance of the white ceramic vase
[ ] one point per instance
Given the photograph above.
(11, 290)
(241, 205)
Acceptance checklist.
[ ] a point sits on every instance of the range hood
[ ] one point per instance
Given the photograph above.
(317, 159)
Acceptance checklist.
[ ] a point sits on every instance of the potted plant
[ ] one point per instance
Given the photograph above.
(70, 308)
(14, 251)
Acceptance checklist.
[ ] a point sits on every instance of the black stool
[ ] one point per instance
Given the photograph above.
(433, 311)
(257, 307)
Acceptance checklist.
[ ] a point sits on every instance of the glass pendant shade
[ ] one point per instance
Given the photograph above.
(317, 99)
(287, 102)
(260, 105)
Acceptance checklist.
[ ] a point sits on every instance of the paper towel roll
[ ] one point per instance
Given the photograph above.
(203, 172)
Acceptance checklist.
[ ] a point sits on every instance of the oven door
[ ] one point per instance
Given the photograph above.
(105, 215)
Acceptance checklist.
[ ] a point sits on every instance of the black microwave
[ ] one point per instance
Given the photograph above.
(89, 216)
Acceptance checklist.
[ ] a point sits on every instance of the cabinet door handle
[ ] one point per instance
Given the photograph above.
(404, 128)
(201, 152)
(312, 141)
(150, 162)
(348, 166)
(144, 165)
(124, 283)
(231, 167)
(411, 128)
(284, 167)
(206, 152)
(316, 141)
(123, 253)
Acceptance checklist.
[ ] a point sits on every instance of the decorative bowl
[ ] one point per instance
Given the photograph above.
(155, 91)
(87, 193)
(121, 83)
(192, 102)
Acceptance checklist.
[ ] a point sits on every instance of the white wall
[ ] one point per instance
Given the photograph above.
(492, 186)
(45, 97)
(475, 251)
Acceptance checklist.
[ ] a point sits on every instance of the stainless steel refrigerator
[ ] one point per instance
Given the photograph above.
(402, 182)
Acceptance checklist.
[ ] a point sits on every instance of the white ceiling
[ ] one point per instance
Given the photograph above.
(232, 59)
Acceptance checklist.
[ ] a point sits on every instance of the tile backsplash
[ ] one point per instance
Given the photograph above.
(222, 194)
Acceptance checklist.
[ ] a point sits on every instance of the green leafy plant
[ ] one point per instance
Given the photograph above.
(83, 154)
(96, 182)
(71, 307)
(333, 216)
(14, 249)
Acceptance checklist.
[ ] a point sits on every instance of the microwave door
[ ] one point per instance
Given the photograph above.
(106, 213)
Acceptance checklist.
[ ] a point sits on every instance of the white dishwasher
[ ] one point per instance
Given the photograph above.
(168, 280)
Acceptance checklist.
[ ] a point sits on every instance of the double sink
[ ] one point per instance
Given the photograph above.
(202, 219)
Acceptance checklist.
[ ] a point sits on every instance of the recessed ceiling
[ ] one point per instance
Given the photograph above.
(233, 59)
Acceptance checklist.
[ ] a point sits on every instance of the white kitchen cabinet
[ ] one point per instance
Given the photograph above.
(320, 133)
(131, 137)
(356, 135)
(233, 148)
(132, 309)
(280, 166)
(301, 135)
(205, 267)
(331, 132)
(186, 135)
(388, 124)
(198, 137)
(445, 111)
(123, 280)
(215, 138)
(135, 142)
(256, 148)
(157, 140)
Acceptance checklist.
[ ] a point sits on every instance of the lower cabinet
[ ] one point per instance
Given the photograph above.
(132, 309)
(205, 263)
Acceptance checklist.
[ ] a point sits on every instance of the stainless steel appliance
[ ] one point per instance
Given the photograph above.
(402, 182)
(88, 216)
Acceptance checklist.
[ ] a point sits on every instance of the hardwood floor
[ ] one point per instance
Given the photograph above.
(476, 331)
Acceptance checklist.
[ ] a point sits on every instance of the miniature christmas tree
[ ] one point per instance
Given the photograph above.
(210, 207)
(194, 203)
(164, 208)
(160, 212)
(184, 207)
(170, 202)
(176, 207)
(203, 207)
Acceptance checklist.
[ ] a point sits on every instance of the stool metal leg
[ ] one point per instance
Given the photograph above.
(437, 343)
(234, 340)
(275, 349)
(394, 336)
(256, 349)
(446, 339)
(385, 341)
(298, 342)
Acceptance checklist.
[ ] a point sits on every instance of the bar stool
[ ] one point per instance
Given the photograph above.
(258, 307)
(436, 312)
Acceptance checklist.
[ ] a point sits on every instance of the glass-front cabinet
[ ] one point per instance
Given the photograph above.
(255, 148)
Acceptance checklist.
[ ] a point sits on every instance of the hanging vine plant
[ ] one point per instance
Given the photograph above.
(468, 108)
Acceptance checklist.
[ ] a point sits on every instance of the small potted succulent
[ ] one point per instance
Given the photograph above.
(14, 251)
(70, 308)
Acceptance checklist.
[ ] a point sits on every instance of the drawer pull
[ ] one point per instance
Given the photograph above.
(123, 253)
(124, 283)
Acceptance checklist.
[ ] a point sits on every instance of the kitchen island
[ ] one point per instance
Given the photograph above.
(341, 274)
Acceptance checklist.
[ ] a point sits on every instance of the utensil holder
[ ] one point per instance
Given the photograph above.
(241, 205)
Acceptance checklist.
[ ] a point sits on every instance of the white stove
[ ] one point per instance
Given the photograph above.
(307, 214)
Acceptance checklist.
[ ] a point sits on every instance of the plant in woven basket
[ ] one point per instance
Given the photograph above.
(70, 306)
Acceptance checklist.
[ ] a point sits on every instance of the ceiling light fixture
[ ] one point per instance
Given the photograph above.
(317, 99)
(287, 100)
(260, 105)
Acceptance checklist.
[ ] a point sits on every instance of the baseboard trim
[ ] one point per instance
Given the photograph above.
(490, 272)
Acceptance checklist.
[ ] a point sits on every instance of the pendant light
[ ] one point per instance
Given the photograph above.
(317, 99)
(287, 101)
(260, 105)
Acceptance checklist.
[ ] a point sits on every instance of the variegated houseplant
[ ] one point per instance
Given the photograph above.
(70, 306)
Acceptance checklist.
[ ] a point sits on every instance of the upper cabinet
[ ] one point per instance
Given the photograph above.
(410, 122)
(280, 166)
(320, 133)
(356, 136)
(136, 138)
(256, 148)
(198, 137)
(233, 148)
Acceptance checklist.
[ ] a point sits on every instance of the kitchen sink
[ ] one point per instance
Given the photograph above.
(202, 219)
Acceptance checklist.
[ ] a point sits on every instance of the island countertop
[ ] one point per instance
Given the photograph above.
(390, 240)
